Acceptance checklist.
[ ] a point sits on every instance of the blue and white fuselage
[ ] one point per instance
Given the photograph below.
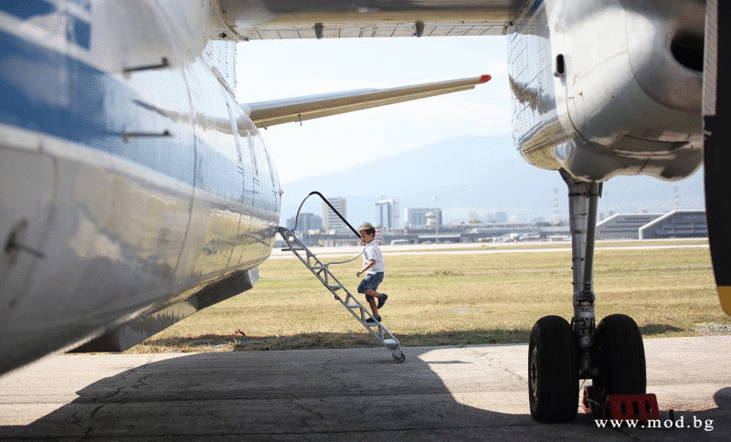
(130, 179)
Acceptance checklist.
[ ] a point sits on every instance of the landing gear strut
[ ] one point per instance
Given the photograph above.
(559, 354)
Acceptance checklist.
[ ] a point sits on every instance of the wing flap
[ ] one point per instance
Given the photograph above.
(286, 19)
(372, 30)
(270, 113)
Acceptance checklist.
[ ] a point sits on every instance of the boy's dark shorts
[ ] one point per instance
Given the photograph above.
(371, 281)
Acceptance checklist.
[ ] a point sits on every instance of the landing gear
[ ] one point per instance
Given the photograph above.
(553, 369)
(559, 354)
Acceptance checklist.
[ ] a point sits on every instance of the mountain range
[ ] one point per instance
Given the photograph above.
(472, 175)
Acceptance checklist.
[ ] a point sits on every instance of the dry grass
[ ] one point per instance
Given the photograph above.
(450, 299)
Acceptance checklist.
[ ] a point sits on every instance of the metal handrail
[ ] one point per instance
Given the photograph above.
(346, 261)
(296, 219)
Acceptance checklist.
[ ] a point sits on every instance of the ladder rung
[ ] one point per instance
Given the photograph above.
(354, 305)
(391, 343)
(334, 287)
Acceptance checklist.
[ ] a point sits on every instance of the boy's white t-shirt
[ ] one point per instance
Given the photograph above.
(372, 251)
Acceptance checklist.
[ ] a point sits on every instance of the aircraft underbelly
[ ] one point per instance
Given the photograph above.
(111, 234)
(621, 129)
(602, 107)
(634, 99)
(25, 233)
(107, 242)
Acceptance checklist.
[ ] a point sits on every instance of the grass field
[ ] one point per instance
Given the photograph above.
(456, 299)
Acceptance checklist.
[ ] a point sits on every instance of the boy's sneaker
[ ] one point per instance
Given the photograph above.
(372, 321)
(382, 300)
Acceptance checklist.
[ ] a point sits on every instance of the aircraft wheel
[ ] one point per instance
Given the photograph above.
(553, 371)
(620, 356)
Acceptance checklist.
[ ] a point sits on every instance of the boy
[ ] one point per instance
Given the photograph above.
(374, 268)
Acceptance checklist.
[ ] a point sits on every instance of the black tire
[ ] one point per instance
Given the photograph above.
(620, 355)
(553, 371)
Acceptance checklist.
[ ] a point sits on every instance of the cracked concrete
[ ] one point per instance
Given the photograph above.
(466, 393)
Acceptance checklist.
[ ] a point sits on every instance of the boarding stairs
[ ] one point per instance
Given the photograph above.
(341, 293)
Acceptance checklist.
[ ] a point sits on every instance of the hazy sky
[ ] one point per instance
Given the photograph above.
(291, 68)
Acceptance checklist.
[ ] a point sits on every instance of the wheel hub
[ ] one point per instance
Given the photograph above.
(533, 373)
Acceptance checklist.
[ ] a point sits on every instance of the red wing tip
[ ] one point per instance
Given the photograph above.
(485, 78)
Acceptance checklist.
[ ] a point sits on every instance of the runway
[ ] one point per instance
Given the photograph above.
(347, 252)
(439, 393)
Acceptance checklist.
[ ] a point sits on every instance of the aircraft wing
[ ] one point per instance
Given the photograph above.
(284, 19)
(269, 113)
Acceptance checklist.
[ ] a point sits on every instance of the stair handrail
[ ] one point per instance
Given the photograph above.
(296, 218)
(347, 260)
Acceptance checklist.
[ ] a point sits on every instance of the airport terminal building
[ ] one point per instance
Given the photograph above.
(675, 224)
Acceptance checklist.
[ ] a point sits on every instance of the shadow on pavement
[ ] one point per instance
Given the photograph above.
(323, 395)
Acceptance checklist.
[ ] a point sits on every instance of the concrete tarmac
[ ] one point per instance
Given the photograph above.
(439, 393)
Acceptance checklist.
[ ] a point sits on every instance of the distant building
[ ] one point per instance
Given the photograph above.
(420, 218)
(624, 225)
(387, 214)
(675, 224)
(307, 222)
(330, 220)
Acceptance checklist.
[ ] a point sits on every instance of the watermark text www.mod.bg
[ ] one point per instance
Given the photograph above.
(680, 423)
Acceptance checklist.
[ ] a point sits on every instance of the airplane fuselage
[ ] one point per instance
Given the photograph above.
(130, 179)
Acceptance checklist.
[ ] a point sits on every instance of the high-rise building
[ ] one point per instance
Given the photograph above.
(330, 220)
(417, 218)
(387, 214)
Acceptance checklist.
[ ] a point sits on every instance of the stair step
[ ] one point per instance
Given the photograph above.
(391, 343)
(334, 287)
(353, 305)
